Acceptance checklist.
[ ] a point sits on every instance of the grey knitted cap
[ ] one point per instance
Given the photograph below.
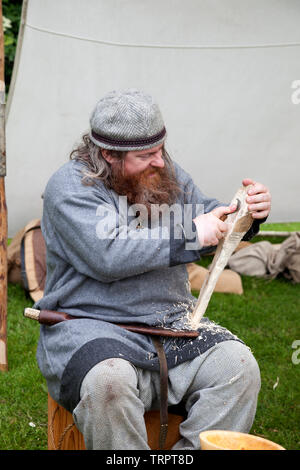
(127, 120)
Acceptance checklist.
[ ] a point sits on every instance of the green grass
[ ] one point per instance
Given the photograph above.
(289, 227)
(265, 317)
(23, 391)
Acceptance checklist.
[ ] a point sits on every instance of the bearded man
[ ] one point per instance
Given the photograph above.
(114, 269)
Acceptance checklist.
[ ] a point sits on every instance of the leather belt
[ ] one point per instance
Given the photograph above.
(155, 334)
(163, 371)
(50, 317)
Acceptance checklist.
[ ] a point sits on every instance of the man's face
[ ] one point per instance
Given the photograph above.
(142, 176)
(138, 161)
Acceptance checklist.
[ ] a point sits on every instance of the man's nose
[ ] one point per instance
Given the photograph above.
(157, 160)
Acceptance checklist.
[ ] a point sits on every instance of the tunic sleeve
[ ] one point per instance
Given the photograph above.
(91, 235)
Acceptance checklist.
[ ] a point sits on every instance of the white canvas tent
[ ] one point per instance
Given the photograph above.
(222, 71)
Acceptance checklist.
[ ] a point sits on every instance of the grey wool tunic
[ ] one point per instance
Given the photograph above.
(107, 264)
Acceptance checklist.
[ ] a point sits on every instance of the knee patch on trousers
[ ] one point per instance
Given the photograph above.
(109, 380)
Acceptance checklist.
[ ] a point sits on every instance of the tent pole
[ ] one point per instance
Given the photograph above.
(3, 211)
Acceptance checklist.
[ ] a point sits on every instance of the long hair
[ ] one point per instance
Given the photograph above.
(97, 168)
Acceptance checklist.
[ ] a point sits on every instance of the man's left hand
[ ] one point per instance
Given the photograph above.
(258, 199)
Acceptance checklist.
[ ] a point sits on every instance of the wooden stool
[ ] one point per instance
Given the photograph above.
(63, 434)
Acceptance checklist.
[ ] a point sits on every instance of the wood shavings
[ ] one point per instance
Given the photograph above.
(276, 383)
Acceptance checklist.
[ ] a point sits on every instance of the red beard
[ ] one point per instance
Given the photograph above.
(159, 188)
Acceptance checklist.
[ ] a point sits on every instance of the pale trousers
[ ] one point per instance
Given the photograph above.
(219, 389)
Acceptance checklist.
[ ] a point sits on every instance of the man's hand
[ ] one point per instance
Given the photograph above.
(210, 229)
(258, 199)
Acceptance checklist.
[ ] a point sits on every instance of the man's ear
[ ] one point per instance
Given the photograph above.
(106, 154)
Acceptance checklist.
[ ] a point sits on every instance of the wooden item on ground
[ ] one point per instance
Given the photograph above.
(240, 222)
(63, 434)
(3, 212)
(229, 281)
(232, 440)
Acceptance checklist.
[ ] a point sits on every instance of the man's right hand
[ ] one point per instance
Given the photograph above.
(210, 229)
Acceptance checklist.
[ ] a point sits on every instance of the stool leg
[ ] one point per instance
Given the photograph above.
(62, 432)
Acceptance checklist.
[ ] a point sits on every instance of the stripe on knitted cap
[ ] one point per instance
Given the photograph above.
(129, 143)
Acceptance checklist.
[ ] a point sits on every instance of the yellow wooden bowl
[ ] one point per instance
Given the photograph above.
(231, 440)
